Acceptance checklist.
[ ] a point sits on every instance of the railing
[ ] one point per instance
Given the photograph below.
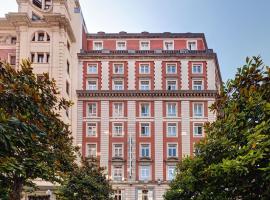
(146, 52)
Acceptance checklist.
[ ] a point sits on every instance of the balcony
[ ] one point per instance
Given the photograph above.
(157, 52)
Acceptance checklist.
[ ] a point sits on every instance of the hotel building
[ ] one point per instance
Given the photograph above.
(143, 99)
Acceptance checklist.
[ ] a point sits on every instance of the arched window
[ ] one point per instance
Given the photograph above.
(41, 36)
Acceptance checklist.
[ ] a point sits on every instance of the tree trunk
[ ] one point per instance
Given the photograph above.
(16, 192)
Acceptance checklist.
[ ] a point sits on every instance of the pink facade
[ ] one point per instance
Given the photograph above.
(143, 102)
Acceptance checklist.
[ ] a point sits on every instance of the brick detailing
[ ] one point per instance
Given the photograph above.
(200, 76)
(176, 76)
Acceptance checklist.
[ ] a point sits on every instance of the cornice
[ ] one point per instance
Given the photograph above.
(143, 94)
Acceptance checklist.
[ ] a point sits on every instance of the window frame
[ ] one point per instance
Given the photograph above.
(116, 133)
(92, 65)
(143, 146)
(196, 65)
(149, 109)
(143, 66)
(198, 124)
(88, 109)
(121, 49)
(194, 113)
(90, 124)
(168, 170)
(170, 65)
(118, 87)
(167, 109)
(168, 150)
(148, 47)
(192, 41)
(119, 170)
(168, 41)
(175, 86)
(121, 155)
(118, 114)
(143, 87)
(149, 129)
(196, 86)
(87, 148)
(142, 178)
(118, 65)
(94, 45)
(92, 88)
(176, 129)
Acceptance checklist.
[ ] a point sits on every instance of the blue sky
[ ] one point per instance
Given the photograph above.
(233, 28)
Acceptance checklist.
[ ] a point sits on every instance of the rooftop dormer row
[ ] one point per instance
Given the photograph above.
(145, 41)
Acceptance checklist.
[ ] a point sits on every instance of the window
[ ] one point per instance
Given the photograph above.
(118, 150)
(118, 69)
(144, 173)
(168, 45)
(67, 87)
(197, 85)
(40, 58)
(118, 109)
(198, 109)
(13, 40)
(171, 85)
(171, 130)
(197, 69)
(33, 57)
(117, 173)
(170, 173)
(35, 17)
(12, 60)
(145, 129)
(171, 69)
(118, 85)
(145, 150)
(98, 45)
(144, 69)
(121, 45)
(68, 67)
(91, 150)
(92, 69)
(91, 129)
(144, 85)
(92, 109)
(92, 85)
(145, 45)
(41, 36)
(48, 58)
(172, 150)
(171, 109)
(145, 112)
(117, 129)
(198, 129)
(68, 45)
(192, 45)
(118, 195)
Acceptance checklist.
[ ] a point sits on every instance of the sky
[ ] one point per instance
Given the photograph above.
(235, 29)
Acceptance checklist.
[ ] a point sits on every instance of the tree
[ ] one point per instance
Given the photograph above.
(35, 142)
(86, 182)
(233, 161)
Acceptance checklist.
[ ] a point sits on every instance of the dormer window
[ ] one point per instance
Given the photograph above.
(98, 45)
(168, 45)
(192, 45)
(144, 45)
(121, 45)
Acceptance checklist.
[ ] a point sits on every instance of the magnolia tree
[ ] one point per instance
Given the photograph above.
(34, 141)
(233, 161)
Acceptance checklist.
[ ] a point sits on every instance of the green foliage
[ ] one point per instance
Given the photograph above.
(86, 182)
(34, 142)
(233, 161)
